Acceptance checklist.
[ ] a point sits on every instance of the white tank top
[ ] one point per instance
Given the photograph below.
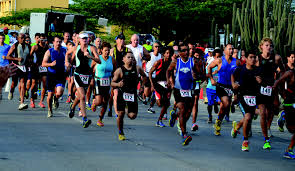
(151, 62)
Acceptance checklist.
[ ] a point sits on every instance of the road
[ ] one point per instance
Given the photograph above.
(31, 141)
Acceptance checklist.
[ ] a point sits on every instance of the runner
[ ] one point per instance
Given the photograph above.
(83, 54)
(183, 86)
(4, 48)
(54, 60)
(21, 52)
(98, 44)
(103, 73)
(226, 66)
(126, 80)
(70, 46)
(159, 83)
(289, 107)
(67, 36)
(244, 81)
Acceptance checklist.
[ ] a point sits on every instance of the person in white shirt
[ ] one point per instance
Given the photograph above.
(66, 39)
(139, 52)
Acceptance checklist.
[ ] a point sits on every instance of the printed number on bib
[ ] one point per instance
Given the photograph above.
(22, 68)
(266, 90)
(228, 91)
(185, 93)
(163, 83)
(128, 97)
(84, 78)
(42, 69)
(105, 82)
(250, 100)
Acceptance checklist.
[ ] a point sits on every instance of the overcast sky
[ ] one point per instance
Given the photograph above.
(71, 1)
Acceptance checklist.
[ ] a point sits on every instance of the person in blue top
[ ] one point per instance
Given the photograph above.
(4, 48)
(182, 83)
(54, 60)
(226, 66)
(102, 77)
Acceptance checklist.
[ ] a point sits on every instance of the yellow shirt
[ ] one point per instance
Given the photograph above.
(7, 39)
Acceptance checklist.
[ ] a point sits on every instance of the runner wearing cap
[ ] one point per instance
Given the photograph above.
(7, 37)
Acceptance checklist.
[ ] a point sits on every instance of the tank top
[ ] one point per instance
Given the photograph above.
(59, 57)
(184, 74)
(151, 62)
(40, 52)
(119, 56)
(137, 52)
(226, 70)
(105, 68)
(215, 76)
(130, 80)
(161, 70)
(247, 80)
(267, 69)
(22, 51)
(83, 63)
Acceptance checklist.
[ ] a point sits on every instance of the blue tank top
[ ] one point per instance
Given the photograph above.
(59, 57)
(105, 69)
(226, 70)
(184, 74)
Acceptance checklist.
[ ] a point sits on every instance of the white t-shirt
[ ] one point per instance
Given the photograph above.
(63, 44)
(210, 59)
(138, 53)
(151, 62)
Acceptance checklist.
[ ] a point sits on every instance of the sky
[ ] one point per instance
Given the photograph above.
(71, 1)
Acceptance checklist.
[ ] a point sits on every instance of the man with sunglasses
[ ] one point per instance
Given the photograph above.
(39, 73)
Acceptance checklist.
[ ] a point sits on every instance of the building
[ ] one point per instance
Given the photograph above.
(7, 6)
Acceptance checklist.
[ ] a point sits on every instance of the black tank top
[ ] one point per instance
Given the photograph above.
(130, 80)
(40, 52)
(267, 69)
(119, 56)
(84, 67)
(161, 70)
(247, 80)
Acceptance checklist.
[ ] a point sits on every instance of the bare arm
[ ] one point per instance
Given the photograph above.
(282, 79)
(213, 64)
(34, 48)
(156, 64)
(118, 74)
(96, 56)
(142, 73)
(45, 62)
(169, 73)
(146, 55)
(70, 55)
(9, 55)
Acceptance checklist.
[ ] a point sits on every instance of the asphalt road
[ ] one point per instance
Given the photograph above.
(31, 141)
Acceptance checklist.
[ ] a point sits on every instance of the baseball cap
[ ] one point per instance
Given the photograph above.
(120, 36)
(83, 35)
(210, 49)
(5, 28)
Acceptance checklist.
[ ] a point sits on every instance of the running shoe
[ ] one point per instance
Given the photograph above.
(232, 108)
(209, 120)
(186, 140)
(165, 117)
(267, 145)
(216, 108)
(281, 121)
(217, 127)
(71, 112)
(10, 96)
(49, 114)
(86, 123)
(32, 104)
(93, 107)
(122, 137)
(41, 105)
(194, 127)
(173, 117)
(22, 106)
(69, 99)
(289, 155)
(88, 106)
(39, 92)
(245, 146)
(234, 130)
(160, 124)
(227, 118)
(151, 110)
(100, 123)
(178, 128)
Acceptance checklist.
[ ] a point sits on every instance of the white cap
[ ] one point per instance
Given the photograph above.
(210, 49)
(83, 35)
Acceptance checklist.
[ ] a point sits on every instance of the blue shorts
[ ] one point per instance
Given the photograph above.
(212, 96)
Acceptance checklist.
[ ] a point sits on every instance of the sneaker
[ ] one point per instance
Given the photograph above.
(86, 123)
(194, 127)
(232, 108)
(39, 92)
(93, 107)
(160, 124)
(186, 140)
(122, 137)
(69, 99)
(88, 106)
(269, 133)
(289, 155)
(234, 131)
(281, 121)
(49, 114)
(267, 145)
(209, 120)
(71, 112)
(178, 128)
(245, 146)
(100, 123)
(32, 104)
(22, 106)
(217, 127)
(165, 117)
(216, 108)
(10, 96)
(227, 118)
(151, 110)
(173, 117)
(41, 105)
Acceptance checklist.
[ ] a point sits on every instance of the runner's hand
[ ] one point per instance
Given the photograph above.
(86, 53)
(258, 79)
(213, 82)
(53, 63)
(121, 83)
(236, 86)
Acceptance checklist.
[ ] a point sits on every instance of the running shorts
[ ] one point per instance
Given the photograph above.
(102, 86)
(184, 96)
(81, 80)
(247, 104)
(55, 80)
(212, 97)
(127, 99)
(162, 93)
(224, 90)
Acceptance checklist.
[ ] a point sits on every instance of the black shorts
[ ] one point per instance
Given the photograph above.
(186, 98)
(55, 80)
(147, 83)
(34, 73)
(131, 103)
(81, 80)
(197, 87)
(289, 113)
(224, 90)
(163, 94)
(101, 88)
(265, 99)
(247, 104)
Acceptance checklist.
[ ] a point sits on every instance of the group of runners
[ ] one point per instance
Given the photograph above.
(113, 74)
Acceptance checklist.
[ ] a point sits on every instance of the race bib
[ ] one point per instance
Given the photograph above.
(22, 68)
(128, 97)
(42, 69)
(266, 90)
(197, 86)
(84, 78)
(163, 83)
(185, 93)
(250, 100)
(228, 91)
(104, 81)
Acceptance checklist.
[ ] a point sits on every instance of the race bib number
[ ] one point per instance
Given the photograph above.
(228, 91)
(128, 97)
(266, 90)
(163, 83)
(104, 81)
(185, 93)
(197, 86)
(250, 100)
(22, 68)
(84, 78)
(42, 69)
